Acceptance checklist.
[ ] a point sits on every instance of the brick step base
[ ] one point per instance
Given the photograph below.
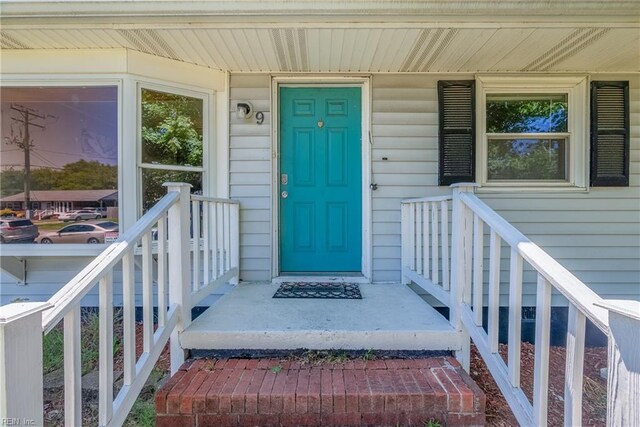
(272, 392)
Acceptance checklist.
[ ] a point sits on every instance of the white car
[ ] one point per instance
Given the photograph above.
(79, 215)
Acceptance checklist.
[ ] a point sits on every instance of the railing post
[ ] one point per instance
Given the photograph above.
(623, 378)
(21, 397)
(179, 262)
(234, 235)
(405, 242)
(461, 241)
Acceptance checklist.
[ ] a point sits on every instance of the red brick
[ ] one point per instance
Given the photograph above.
(239, 393)
(465, 420)
(175, 395)
(302, 392)
(338, 391)
(186, 404)
(351, 391)
(264, 395)
(198, 364)
(299, 420)
(277, 392)
(227, 390)
(326, 399)
(161, 395)
(346, 419)
(289, 395)
(200, 396)
(251, 395)
(379, 419)
(217, 420)
(453, 396)
(258, 420)
(241, 364)
(252, 364)
(213, 396)
(175, 420)
(376, 364)
(313, 398)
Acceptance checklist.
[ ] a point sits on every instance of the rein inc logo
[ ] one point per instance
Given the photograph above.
(17, 422)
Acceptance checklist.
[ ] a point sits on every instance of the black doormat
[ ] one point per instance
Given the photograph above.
(318, 290)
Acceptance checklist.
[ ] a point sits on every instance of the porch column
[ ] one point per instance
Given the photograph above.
(623, 377)
(21, 363)
(179, 256)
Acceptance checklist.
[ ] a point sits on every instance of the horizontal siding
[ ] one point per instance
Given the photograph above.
(595, 234)
(250, 179)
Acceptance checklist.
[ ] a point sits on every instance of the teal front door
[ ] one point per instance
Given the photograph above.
(320, 180)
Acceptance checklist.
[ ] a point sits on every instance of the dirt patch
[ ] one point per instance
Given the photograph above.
(594, 407)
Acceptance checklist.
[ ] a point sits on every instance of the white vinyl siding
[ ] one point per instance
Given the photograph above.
(250, 169)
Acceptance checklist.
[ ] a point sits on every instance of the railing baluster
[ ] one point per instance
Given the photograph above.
(214, 240)
(515, 316)
(72, 368)
(206, 233)
(444, 235)
(412, 236)
(162, 271)
(478, 268)
(220, 238)
(426, 219)
(227, 237)
(418, 239)
(435, 265)
(541, 364)
(129, 317)
(495, 244)
(574, 367)
(147, 294)
(195, 226)
(105, 372)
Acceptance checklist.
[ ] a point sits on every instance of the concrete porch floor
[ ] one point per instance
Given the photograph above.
(388, 317)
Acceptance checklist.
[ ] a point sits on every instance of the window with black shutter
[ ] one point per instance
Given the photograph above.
(456, 102)
(609, 133)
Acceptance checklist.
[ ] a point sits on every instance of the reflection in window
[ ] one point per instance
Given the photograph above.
(59, 154)
(527, 137)
(172, 143)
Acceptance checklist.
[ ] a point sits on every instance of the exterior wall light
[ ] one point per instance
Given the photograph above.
(244, 110)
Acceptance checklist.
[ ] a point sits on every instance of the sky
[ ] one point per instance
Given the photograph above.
(80, 123)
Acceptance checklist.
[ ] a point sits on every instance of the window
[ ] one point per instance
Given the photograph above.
(532, 132)
(59, 152)
(172, 131)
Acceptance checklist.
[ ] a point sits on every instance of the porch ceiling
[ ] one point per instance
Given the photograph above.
(375, 36)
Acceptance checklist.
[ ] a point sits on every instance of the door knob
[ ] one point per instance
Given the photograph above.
(284, 194)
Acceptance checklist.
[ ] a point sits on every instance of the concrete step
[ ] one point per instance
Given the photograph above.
(275, 392)
(388, 317)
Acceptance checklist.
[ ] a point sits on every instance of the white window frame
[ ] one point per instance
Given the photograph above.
(576, 90)
(207, 143)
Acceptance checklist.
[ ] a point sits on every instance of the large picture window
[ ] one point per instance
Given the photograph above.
(59, 163)
(532, 132)
(172, 129)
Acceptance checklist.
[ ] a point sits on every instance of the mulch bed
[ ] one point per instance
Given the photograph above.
(594, 405)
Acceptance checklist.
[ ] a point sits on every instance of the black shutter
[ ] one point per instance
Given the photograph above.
(610, 134)
(456, 103)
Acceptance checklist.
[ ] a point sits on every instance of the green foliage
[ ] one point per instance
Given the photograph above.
(80, 175)
(432, 423)
(52, 350)
(526, 159)
(275, 369)
(369, 355)
(546, 113)
(171, 129)
(143, 414)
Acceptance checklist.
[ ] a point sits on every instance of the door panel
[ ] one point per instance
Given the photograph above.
(320, 147)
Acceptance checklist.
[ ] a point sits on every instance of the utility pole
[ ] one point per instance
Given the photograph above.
(23, 141)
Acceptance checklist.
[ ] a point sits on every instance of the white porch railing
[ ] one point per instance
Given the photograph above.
(470, 218)
(185, 275)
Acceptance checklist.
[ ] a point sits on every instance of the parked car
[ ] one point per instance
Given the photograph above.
(99, 211)
(88, 232)
(79, 215)
(17, 230)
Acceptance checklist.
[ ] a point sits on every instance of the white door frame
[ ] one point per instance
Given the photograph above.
(323, 81)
